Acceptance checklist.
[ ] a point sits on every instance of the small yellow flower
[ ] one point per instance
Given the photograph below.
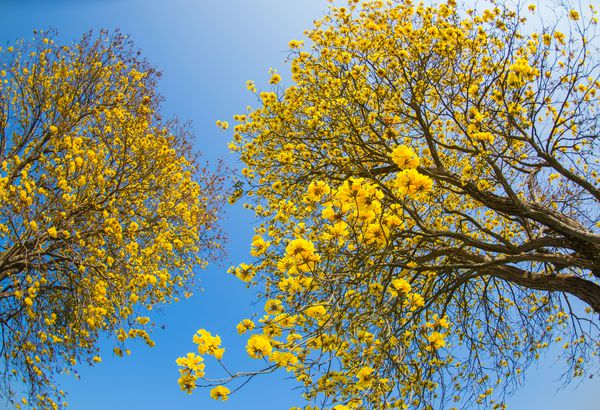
(192, 362)
(52, 232)
(259, 245)
(259, 346)
(208, 343)
(295, 44)
(250, 86)
(574, 15)
(284, 359)
(220, 393)
(400, 285)
(244, 272)
(275, 79)
(436, 340)
(316, 312)
(273, 307)
(316, 190)
(222, 124)
(365, 377)
(405, 157)
(244, 326)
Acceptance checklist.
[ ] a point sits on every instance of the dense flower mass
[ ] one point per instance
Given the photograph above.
(103, 211)
(428, 187)
(208, 344)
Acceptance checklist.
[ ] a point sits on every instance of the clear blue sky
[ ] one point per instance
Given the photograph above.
(207, 49)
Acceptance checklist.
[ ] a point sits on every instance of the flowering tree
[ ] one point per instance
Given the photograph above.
(430, 204)
(103, 210)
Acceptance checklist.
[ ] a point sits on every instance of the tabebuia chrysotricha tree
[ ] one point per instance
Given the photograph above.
(105, 211)
(429, 205)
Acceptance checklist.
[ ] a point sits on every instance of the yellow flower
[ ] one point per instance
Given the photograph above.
(416, 301)
(187, 382)
(400, 285)
(404, 157)
(436, 340)
(268, 98)
(251, 86)
(316, 312)
(574, 15)
(284, 359)
(259, 246)
(520, 72)
(192, 362)
(300, 248)
(259, 346)
(273, 307)
(208, 343)
(295, 44)
(546, 38)
(275, 79)
(443, 322)
(244, 272)
(484, 137)
(244, 326)
(220, 393)
(222, 124)
(52, 232)
(412, 184)
(365, 377)
(316, 190)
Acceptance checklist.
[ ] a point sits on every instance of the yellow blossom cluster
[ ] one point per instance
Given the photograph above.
(220, 393)
(208, 344)
(192, 366)
(259, 346)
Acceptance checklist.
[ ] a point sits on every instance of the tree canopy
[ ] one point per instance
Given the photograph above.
(429, 199)
(104, 209)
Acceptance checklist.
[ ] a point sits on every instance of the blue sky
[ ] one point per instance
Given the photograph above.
(207, 49)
